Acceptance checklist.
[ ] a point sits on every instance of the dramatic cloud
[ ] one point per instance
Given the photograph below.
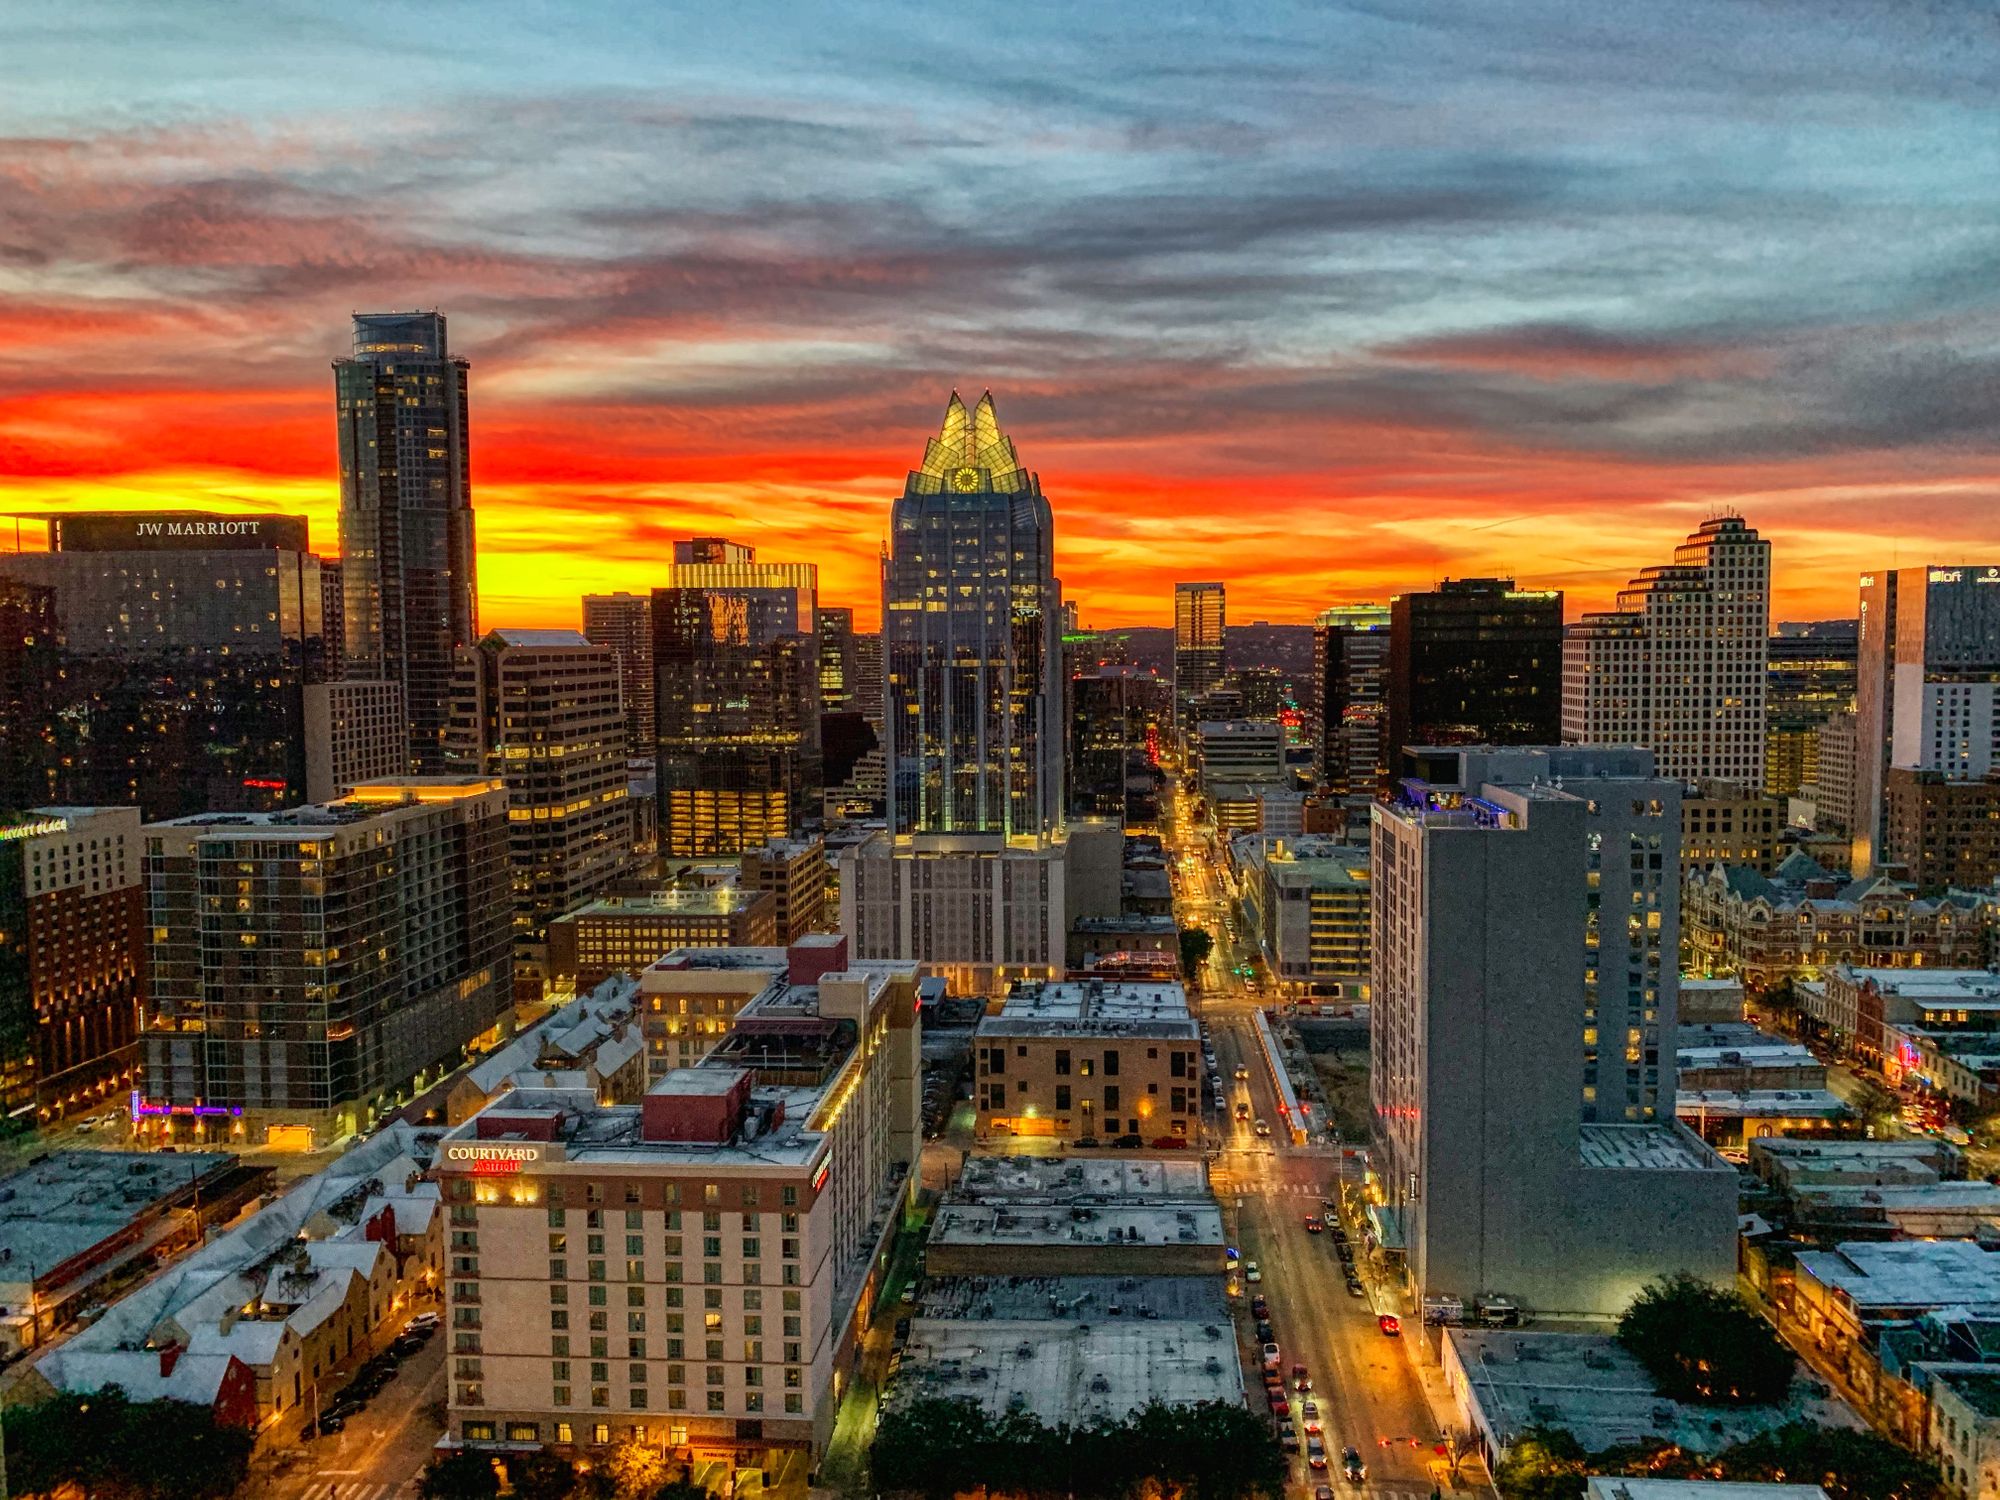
(1328, 300)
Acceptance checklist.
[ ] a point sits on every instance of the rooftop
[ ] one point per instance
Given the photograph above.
(1608, 1487)
(612, 1135)
(1979, 1389)
(1763, 1054)
(1650, 1148)
(675, 901)
(1882, 1279)
(1957, 985)
(1759, 1104)
(1063, 1179)
(1588, 1384)
(1095, 1007)
(68, 1202)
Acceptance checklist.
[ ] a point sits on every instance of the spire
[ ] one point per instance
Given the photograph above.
(985, 429)
(973, 441)
(951, 438)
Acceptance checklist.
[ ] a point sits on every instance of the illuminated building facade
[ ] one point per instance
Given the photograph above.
(1345, 706)
(837, 668)
(737, 699)
(1680, 665)
(624, 934)
(1475, 661)
(624, 624)
(1201, 629)
(539, 710)
(1811, 680)
(406, 532)
(972, 614)
(304, 966)
(186, 642)
(1924, 695)
(355, 732)
(31, 685)
(690, 1272)
(70, 957)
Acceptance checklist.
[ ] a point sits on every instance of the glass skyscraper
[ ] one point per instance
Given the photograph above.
(406, 536)
(971, 615)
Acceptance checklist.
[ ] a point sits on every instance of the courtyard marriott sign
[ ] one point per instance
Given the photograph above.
(494, 1158)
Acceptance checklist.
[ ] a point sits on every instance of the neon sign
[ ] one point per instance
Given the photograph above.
(264, 783)
(33, 830)
(495, 1160)
(143, 1108)
(819, 1177)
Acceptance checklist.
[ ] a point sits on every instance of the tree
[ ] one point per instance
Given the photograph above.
(1847, 1465)
(1544, 1463)
(543, 1476)
(463, 1475)
(1702, 1344)
(104, 1444)
(636, 1471)
(927, 1448)
(1196, 945)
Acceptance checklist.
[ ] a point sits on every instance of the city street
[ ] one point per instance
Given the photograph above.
(380, 1453)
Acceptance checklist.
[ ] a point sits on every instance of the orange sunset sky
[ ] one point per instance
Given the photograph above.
(1326, 303)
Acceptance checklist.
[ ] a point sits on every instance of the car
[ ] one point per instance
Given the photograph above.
(1303, 1384)
(1263, 1127)
(1315, 1224)
(1310, 1412)
(909, 1294)
(1298, 1372)
(424, 1320)
(1242, 1111)
(341, 1409)
(1250, 1272)
(1242, 1073)
(1324, 1492)
(1260, 1307)
(1271, 1355)
(1288, 1438)
(406, 1345)
(1352, 1466)
(1264, 1331)
(1355, 1288)
(326, 1425)
(1345, 1251)
(1315, 1453)
(1280, 1407)
(1390, 1324)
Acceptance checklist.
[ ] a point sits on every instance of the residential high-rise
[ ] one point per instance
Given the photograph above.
(1345, 708)
(1116, 713)
(1475, 661)
(1924, 697)
(747, 1200)
(70, 951)
(624, 622)
(971, 612)
(1200, 637)
(1524, 951)
(836, 659)
(539, 710)
(406, 533)
(303, 967)
(1680, 665)
(794, 871)
(187, 640)
(333, 616)
(868, 675)
(1810, 679)
(736, 667)
(355, 732)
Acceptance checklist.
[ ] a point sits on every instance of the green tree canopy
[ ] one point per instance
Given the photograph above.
(1544, 1463)
(463, 1475)
(1196, 945)
(1702, 1344)
(104, 1444)
(1847, 1465)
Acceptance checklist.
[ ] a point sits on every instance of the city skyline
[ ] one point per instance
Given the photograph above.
(1331, 337)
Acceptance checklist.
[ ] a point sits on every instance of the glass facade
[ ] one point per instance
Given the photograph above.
(1475, 662)
(406, 531)
(971, 619)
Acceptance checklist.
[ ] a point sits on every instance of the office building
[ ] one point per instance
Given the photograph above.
(31, 686)
(187, 641)
(1308, 901)
(691, 1272)
(355, 732)
(1255, 807)
(1526, 907)
(1680, 665)
(868, 675)
(70, 934)
(624, 934)
(971, 611)
(1924, 694)
(1725, 823)
(1201, 629)
(1345, 708)
(333, 617)
(1240, 750)
(539, 711)
(1262, 693)
(1090, 1060)
(1811, 679)
(836, 659)
(1118, 717)
(303, 967)
(1939, 830)
(624, 624)
(736, 664)
(1474, 661)
(795, 872)
(407, 548)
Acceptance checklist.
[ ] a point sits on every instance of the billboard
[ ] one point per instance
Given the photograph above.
(175, 531)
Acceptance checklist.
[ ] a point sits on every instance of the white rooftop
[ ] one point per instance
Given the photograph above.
(1932, 984)
(1878, 1279)
(1655, 1148)
(1064, 1178)
(1758, 1104)
(1094, 1006)
(1609, 1487)
(1019, 1223)
(1068, 1372)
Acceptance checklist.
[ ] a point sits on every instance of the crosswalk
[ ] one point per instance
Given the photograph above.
(356, 1489)
(1223, 1183)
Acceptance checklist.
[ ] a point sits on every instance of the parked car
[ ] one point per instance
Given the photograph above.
(1259, 1307)
(327, 1425)
(1288, 1438)
(424, 1320)
(1265, 1333)
(1250, 1272)
(1280, 1406)
(1272, 1355)
(1355, 1288)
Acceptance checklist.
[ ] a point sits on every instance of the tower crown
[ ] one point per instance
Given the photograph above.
(970, 453)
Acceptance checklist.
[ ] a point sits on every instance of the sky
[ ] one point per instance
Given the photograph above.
(1326, 300)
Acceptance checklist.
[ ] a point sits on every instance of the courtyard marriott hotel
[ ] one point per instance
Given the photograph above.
(689, 1272)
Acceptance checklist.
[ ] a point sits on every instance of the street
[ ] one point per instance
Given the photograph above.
(378, 1455)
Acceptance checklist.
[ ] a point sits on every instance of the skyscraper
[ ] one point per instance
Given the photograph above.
(1474, 661)
(1350, 663)
(187, 640)
(1925, 693)
(624, 622)
(1809, 680)
(1525, 930)
(1200, 635)
(1680, 665)
(836, 659)
(31, 686)
(971, 613)
(736, 699)
(538, 710)
(406, 533)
